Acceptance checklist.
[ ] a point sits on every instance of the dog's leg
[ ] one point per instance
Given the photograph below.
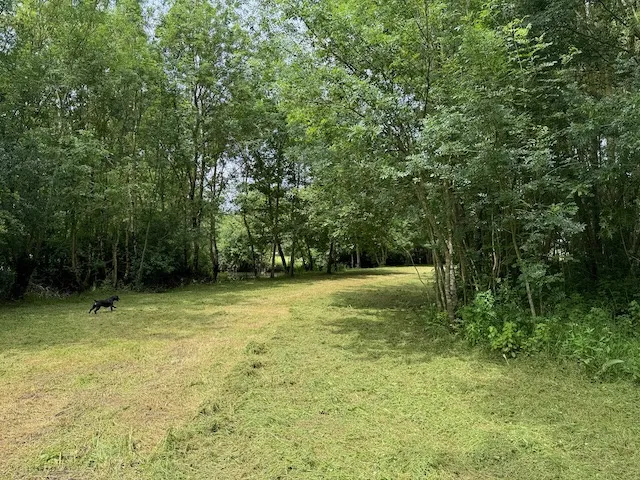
(96, 310)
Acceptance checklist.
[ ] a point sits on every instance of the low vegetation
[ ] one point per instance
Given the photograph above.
(353, 375)
(604, 344)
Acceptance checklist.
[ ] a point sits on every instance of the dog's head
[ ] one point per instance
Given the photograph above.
(115, 298)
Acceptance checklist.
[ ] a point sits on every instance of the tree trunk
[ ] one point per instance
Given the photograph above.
(311, 266)
(450, 287)
(246, 222)
(144, 251)
(358, 264)
(330, 261)
(526, 280)
(282, 256)
(196, 257)
(292, 259)
(127, 256)
(439, 281)
(273, 260)
(114, 278)
(74, 251)
(383, 256)
(213, 250)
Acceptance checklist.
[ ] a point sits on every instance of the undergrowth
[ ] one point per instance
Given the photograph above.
(604, 344)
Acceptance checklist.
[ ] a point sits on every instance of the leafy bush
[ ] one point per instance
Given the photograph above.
(509, 341)
(606, 346)
(478, 317)
(541, 338)
(588, 345)
(484, 325)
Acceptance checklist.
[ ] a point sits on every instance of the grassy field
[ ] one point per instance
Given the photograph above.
(319, 378)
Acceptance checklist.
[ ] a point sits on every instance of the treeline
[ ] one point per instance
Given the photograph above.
(143, 147)
(502, 137)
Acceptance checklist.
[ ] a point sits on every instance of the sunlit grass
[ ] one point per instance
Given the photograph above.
(341, 377)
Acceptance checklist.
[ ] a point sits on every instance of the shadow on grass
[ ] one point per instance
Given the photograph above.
(398, 297)
(521, 418)
(393, 320)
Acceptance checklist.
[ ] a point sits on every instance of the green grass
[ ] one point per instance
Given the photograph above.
(321, 378)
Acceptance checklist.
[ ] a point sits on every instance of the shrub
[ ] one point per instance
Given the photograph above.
(541, 338)
(509, 341)
(606, 346)
(478, 317)
(588, 345)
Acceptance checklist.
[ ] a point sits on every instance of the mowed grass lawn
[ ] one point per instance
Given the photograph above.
(319, 377)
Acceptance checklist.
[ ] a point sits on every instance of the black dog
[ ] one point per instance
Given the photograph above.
(104, 303)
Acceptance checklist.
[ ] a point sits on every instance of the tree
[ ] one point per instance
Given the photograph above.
(202, 46)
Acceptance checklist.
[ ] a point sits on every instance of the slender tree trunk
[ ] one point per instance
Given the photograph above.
(196, 254)
(251, 243)
(213, 249)
(144, 251)
(495, 267)
(294, 231)
(526, 280)
(114, 257)
(273, 260)
(74, 251)
(100, 271)
(439, 281)
(87, 276)
(330, 261)
(292, 261)
(127, 256)
(197, 178)
(246, 222)
(358, 264)
(311, 266)
(463, 274)
(283, 258)
(450, 289)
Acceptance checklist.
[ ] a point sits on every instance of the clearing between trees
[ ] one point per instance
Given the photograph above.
(343, 376)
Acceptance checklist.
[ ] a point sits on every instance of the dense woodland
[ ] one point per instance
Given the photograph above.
(145, 144)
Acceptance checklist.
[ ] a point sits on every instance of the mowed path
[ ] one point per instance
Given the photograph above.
(320, 377)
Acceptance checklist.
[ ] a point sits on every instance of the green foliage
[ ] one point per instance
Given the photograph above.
(480, 318)
(508, 341)
(590, 337)
(590, 346)
(540, 340)
(484, 325)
